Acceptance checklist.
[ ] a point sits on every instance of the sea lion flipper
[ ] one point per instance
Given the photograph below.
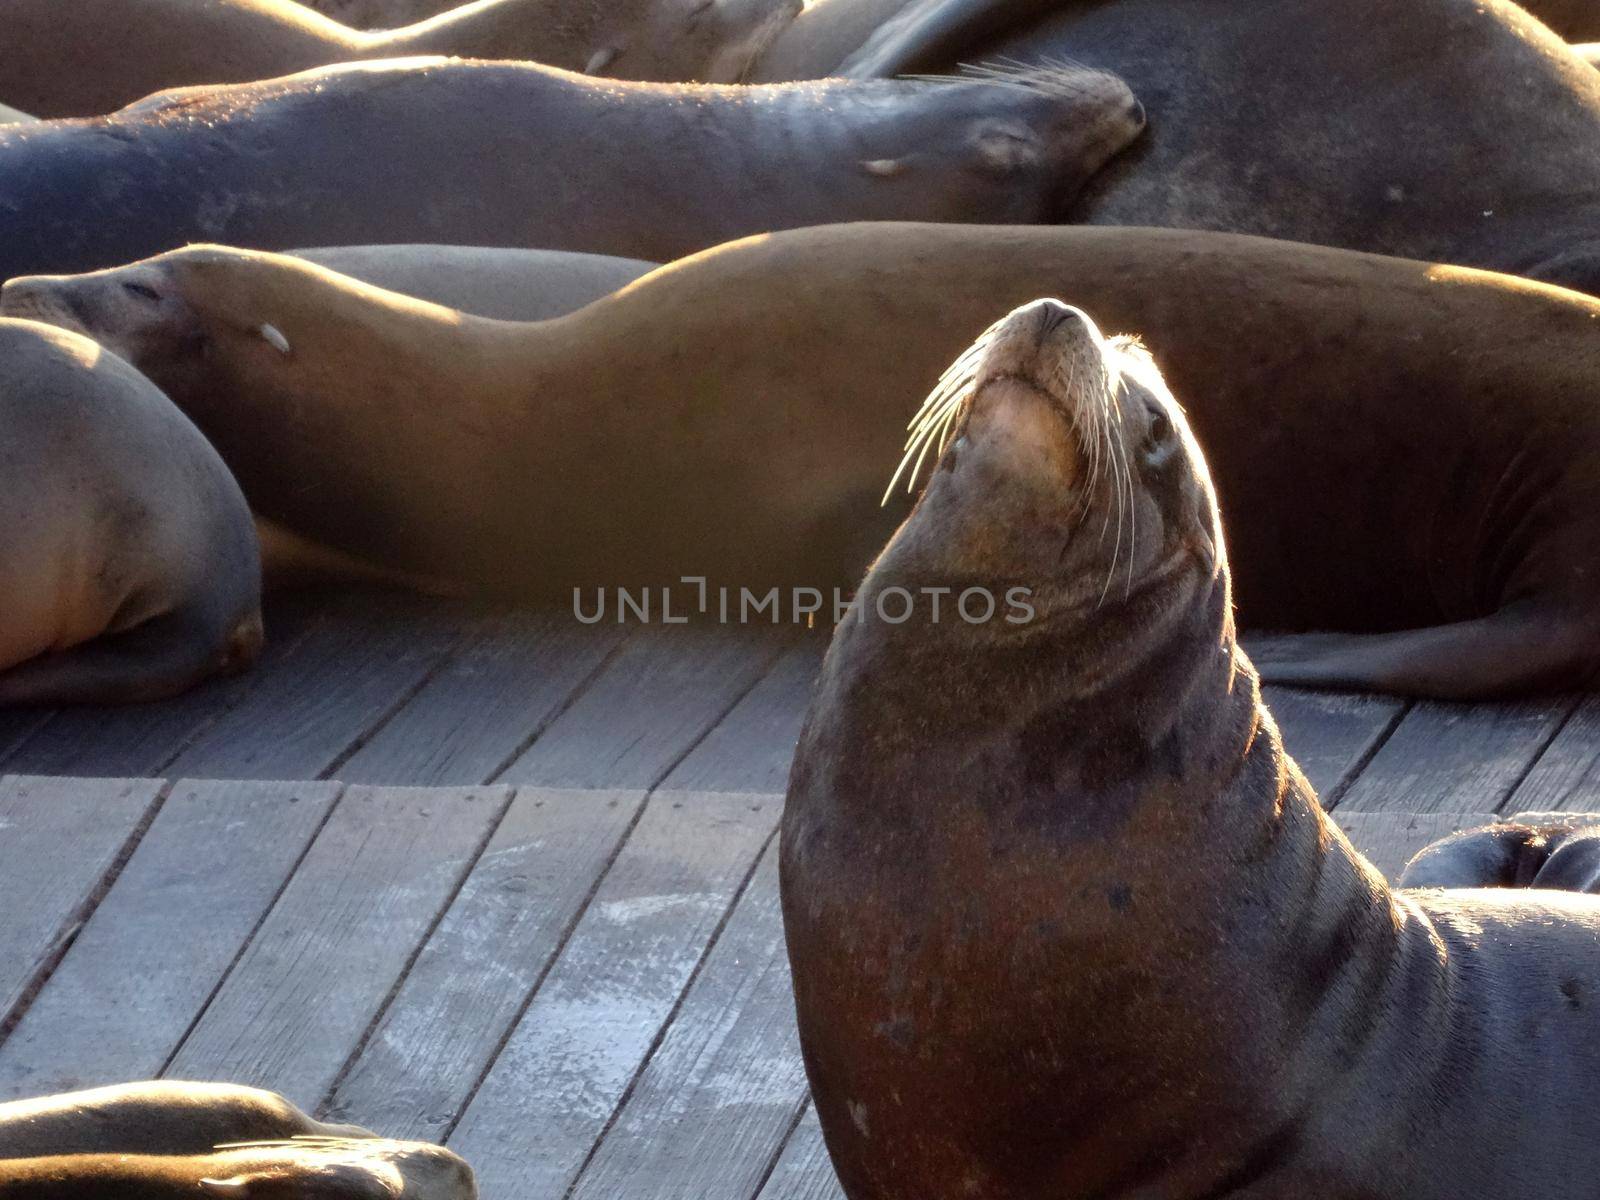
(928, 34)
(158, 659)
(1501, 855)
(1574, 863)
(1500, 655)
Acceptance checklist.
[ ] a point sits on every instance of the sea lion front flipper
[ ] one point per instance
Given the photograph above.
(1501, 855)
(152, 661)
(1502, 655)
(1574, 862)
(929, 35)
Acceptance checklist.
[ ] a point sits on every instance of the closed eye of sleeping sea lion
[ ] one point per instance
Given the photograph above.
(93, 56)
(1063, 917)
(512, 154)
(128, 561)
(781, 370)
(1453, 130)
(1515, 854)
(158, 1117)
(302, 1169)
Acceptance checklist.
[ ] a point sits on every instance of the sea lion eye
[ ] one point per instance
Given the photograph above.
(144, 293)
(1160, 428)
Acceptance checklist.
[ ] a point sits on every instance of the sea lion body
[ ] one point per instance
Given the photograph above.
(503, 154)
(1466, 131)
(94, 56)
(128, 559)
(1063, 917)
(783, 369)
(486, 281)
(159, 1117)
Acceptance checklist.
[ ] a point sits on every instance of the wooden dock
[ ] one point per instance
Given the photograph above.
(519, 892)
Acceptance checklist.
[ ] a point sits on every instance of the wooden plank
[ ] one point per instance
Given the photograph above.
(1390, 839)
(1330, 734)
(59, 841)
(716, 1101)
(750, 749)
(473, 978)
(1456, 757)
(141, 740)
(804, 1171)
(1567, 775)
(338, 940)
(572, 1056)
(339, 683)
(143, 967)
(483, 707)
(658, 697)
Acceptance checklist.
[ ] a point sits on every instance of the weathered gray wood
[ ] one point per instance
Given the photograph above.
(336, 943)
(804, 1171)
(750, 749)
(1389, 839)
(59, 841)
(655, 700)
(1455, 757)
(1567, 774)
(1561, 816)
(475, 974)
(143, 739)
(572, 1056)
(1330, 733)
(352, 670)
(143, 967)
(717, 1099)
(485, 705)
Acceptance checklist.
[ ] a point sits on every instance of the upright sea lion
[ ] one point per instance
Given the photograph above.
(128, 560)
(93, 56)
(1564, 855)
(159, 1117)
(486, 281)
(728, 416)
(1453, 130)
(1064, 918)
(503, 154)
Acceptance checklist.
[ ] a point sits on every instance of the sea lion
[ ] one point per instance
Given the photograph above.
(778, 372)
(315, 1169)
(1450, 130)
(511, 154)
(159, 1117)
(486, 281)
(1065, 919)
(128, 560)
(1564, 855)
(93, 56)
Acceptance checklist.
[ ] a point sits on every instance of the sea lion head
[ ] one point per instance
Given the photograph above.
(336, 1168)
(1071, 508)
(1018, 141)
(705, 41)
(1066, 467)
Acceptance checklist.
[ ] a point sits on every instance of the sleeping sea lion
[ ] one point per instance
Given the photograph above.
(779, 371)
(91, 57)
(128, 561)
(1065, 920)
(1451, 130)
(486, 281)
(511, 154)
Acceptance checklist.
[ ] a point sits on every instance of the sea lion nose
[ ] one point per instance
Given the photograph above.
(1050, 315)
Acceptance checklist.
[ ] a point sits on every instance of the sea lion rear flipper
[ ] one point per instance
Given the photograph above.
(153, 661)
(1502, 855)
(1502, 655)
